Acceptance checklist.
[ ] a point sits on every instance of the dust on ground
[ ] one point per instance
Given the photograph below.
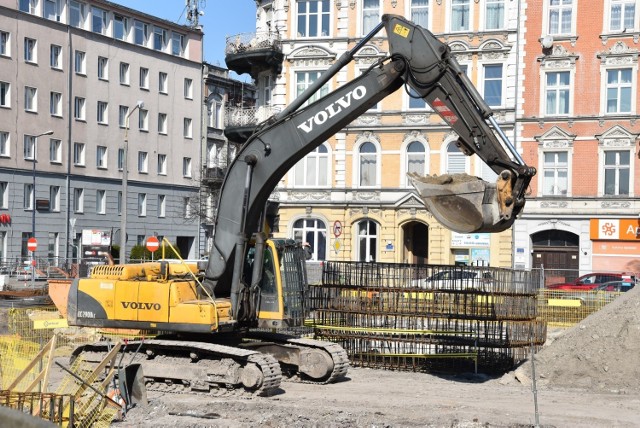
(587, 376)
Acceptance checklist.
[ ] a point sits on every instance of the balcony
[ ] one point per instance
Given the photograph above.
(241, 122)
(213, 176)
(254, 52)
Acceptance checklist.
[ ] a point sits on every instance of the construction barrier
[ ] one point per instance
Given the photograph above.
(565, 308)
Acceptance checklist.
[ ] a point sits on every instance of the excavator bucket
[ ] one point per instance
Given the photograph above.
(467, 204)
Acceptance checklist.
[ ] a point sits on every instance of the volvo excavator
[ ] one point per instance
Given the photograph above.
(211, 320)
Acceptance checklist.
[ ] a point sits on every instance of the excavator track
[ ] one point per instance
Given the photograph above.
(335, 354)
(195, 367)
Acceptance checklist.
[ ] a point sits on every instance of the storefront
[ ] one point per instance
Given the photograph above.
(615, 244)
(470, 248)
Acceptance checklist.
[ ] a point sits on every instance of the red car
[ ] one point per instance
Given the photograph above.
(592, 280)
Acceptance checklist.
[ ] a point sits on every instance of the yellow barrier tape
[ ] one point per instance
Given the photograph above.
(570, 303)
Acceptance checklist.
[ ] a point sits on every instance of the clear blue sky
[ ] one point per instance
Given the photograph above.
(221, 18)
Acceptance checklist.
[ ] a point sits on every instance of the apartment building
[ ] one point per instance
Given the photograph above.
(578, 125)
(350, 198)
(104, 79)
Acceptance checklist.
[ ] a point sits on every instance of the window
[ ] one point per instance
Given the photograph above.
(215, 114)
(162, 164)
(187, 207)
(101, 157)
(558, 91)
(29, 144)
(78, 154)
(101, 201)
(4, 194)
(55, 104)
(78, 200)
(54, 198)
(162, 123)
(79, 108)
(103, 68)
(30, 99)
(120, 27)
(142, 204)
(367, 241)
(177, 44)
(493, 84)
(55, 151)
(30, 52)
(304, 79)
(159, 38)
(460, 15)
(99, 20)
(313, 18)
(162, 82)
(140, 33)
(494, 14)
(188, 88)
(4, 144)
(124, 73)
(77, 14)
(560, 16)
(5, 94)
(28, 6)
(456, 161)
(416, 158)
(51, 10)
(143, 167)
(187, 132)
(80, 65)
(120, 159)
(27, 199)
(420, 12)
(313, 169)
(144, 78)
(102, 115)
(619, 90)
(143, 119)
(313, 231)
(5, 46)
(616, 172)
(123, 112)
(623, 13)
(415, 100)
(186, 167)
(370, 15)
(162, 206)
(368, 163)
(55, 57)
(555, 174)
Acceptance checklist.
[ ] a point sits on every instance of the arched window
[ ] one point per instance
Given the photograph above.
(313, 169)
(456, 160)
(368, 162)
(313, 231)
(416, 158)
(367, 241)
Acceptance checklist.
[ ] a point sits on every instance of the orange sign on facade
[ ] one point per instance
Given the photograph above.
(624, 229)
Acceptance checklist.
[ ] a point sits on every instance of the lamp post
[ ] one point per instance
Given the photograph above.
(125, 172)
(33, 208)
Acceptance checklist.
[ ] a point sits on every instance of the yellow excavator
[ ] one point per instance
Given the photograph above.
(211, 319)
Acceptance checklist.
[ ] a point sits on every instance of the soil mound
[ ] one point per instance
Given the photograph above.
(599, 353)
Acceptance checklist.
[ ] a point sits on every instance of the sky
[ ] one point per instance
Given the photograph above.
(221, 18)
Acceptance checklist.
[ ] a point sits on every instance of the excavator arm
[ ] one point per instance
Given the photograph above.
(416, 59)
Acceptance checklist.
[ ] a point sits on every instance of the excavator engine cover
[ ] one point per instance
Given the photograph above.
(467, 204)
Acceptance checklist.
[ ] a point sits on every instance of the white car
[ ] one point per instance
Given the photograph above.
(456, 279)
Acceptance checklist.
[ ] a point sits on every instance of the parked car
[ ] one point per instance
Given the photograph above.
(455, 279)
(592, 280)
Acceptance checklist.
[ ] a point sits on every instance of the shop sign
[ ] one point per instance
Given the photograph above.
(624, 229)
(470, 239)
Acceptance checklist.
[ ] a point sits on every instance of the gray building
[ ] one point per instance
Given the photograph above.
(80, 70)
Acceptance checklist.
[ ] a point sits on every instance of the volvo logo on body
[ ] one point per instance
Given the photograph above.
(142, 305)
(333, 109)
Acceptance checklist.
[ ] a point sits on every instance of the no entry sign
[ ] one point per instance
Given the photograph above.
(153, 244)
(32, 244)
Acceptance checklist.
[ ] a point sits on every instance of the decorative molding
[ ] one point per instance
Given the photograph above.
(615, 204)
(554, 137)
(316, 195)
(364, 195)
(369, 119)
(617, 136)
(558, 58)
(416, 135)
(619, 54)
(554, 204)
(414, 118)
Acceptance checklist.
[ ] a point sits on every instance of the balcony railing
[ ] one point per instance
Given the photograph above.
(249, 42)
(248, 116)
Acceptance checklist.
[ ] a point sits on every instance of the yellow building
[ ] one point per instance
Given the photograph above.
(350, 198)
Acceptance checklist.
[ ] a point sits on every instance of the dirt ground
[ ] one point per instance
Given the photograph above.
(586, 376)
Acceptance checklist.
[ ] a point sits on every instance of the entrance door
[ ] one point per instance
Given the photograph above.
(558, 252)
(185, 246)
(416, 243)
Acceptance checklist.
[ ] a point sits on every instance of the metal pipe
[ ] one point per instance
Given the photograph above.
(33, 201)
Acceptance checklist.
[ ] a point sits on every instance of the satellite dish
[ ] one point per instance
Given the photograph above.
(547, 41)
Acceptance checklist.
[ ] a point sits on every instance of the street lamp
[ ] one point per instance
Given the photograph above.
(33, 208)
(125, 172)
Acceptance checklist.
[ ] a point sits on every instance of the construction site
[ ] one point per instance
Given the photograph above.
(421, 353)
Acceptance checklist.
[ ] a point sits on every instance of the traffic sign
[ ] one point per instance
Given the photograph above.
(337, 228)
(153, 244)
(32, 244)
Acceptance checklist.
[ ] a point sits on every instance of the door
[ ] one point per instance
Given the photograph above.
(416, 243)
